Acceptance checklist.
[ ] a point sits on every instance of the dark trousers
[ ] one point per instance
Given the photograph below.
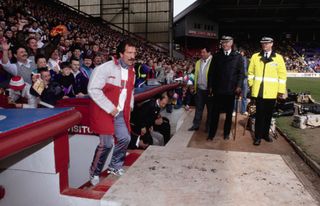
(264, 108)
(201, 99)
(221, 103)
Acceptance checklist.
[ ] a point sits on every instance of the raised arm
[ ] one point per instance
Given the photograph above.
(11, 68)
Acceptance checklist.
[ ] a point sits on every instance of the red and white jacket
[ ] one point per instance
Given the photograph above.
(104, 88)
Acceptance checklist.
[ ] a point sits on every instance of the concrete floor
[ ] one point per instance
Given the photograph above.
(179, 175)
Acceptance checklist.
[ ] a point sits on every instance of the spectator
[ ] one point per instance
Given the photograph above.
(76, 53)
(54, 61)
(87, 65)
(51, 91)
(20, 89)
(97, 60)
(66, 80)
(142, 73)
(35, 28)
(244, 88)
(80, 78)
(22, 68)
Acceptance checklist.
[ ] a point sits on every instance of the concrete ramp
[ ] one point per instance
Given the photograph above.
(176, 175)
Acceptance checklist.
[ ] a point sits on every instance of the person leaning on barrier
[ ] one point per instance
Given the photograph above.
(267, 77)
(148, 127)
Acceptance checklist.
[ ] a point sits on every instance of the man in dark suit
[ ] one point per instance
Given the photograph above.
(225, 80)
(146, 122)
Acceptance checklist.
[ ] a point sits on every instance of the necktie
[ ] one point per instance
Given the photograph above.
(266, 55)
(226, 53)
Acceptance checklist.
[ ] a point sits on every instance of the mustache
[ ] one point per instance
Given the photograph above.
(133, 59)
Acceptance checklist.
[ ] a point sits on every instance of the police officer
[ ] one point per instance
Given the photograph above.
(225, 80)
(267, 79)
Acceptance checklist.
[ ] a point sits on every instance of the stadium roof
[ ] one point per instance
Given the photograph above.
(253, 14)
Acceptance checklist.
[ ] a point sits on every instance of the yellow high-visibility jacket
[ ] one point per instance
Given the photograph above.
(196, 73)
(272, 72)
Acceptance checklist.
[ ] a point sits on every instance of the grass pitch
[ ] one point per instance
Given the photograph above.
(311, 85)
(307, 139)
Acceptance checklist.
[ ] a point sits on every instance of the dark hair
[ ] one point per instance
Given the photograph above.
(16, 48)
(163, 95)
(42, 69)
(29, 39)
(64, 65)
(122, 46)
(39, 56)
(206, 48)
(87, 56)
(74, 59)
(75, 47)
(243, 50)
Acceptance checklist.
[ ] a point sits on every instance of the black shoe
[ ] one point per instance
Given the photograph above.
(268, 139)
(193, 128)
(257, 142)
(210, 139)
(226, 136)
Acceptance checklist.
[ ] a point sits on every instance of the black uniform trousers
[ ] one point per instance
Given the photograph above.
(264, 108)
(221, 103)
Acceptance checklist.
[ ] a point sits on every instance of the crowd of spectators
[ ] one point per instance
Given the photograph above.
(48, 53)
(296, 58)
(55, 49)
(310, 53)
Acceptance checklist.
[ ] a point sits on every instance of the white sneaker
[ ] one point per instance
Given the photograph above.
(245, 114)
(94, 180)
(233, 114)
(116, 172)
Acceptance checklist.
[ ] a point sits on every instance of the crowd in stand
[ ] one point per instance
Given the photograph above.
(310, 52)
(62, 48)
(48, 53)
(295, 56)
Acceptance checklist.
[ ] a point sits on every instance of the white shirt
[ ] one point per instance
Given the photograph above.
(123, 94)
(27, 65)
(204, 63)
(53, 63)
(40, 44)
(202, 80)
(37, 30)
(75, 73)
(12, 68)
(267, 54)
(227, 52)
